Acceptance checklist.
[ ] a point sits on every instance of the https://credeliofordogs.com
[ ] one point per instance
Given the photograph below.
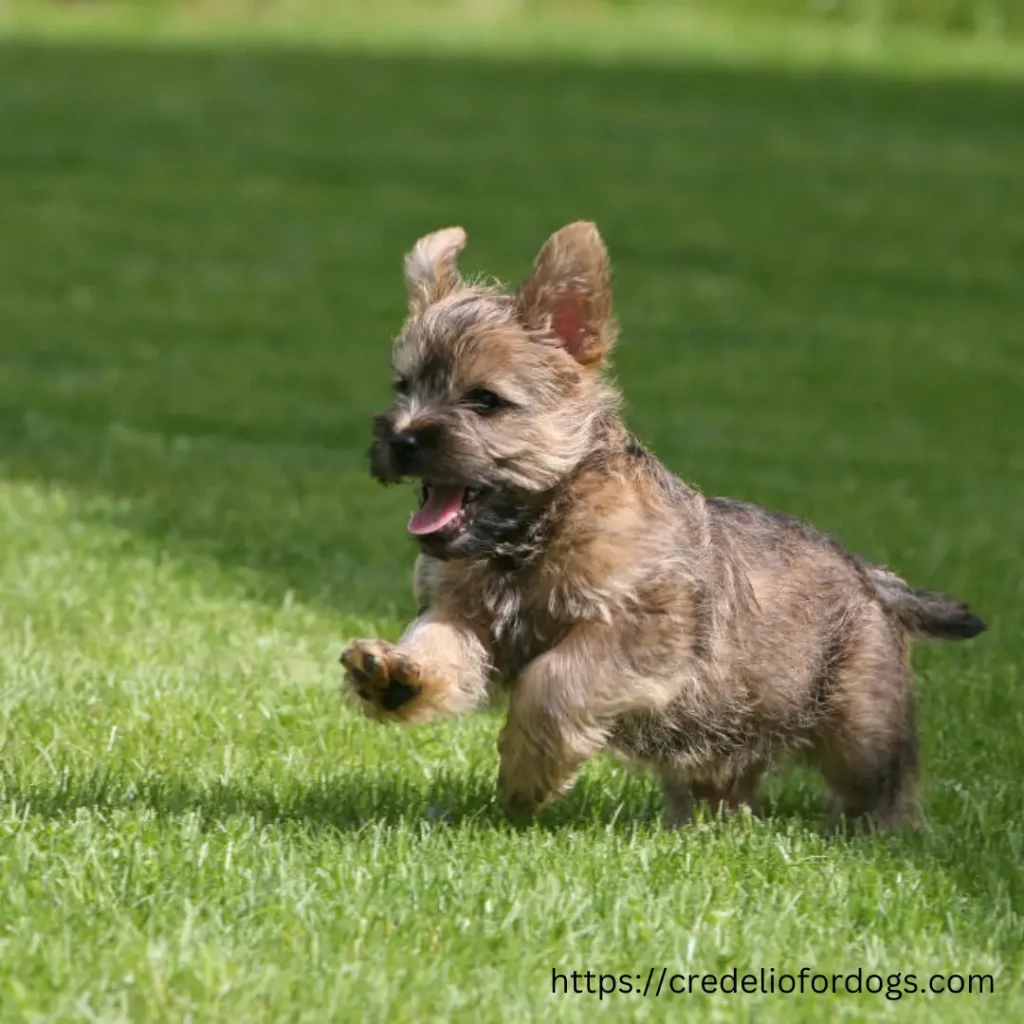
(657, 982)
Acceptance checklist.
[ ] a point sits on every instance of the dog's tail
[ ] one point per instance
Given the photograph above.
(925, 614)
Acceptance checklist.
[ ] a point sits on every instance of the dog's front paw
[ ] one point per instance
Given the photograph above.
(528, 779)
(385, 679)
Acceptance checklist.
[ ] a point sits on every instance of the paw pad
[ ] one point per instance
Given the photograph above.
(381, 675)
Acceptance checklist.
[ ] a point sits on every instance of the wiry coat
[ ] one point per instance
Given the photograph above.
(626, 612)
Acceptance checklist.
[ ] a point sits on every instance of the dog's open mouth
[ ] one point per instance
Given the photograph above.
(444, 509)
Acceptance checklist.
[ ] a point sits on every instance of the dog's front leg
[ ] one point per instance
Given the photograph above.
(552, 727)
(439, 667)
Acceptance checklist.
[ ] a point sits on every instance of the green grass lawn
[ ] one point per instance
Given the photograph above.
(819, 279)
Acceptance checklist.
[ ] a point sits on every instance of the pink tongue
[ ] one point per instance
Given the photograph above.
(442, 507)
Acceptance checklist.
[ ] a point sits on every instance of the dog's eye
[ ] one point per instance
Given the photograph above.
(401, 386)
(484, 402)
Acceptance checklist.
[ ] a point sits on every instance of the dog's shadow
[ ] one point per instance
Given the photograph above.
(352, 800)
(346, 801)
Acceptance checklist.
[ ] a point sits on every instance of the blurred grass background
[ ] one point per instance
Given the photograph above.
(958, 17)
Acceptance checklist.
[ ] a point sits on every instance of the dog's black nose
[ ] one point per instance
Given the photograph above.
(404, 447)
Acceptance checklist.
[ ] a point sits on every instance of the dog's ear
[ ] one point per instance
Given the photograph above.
(430, 268)
(567, 296)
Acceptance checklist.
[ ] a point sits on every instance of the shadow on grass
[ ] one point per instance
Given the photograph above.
(346, 802)
(352, 801)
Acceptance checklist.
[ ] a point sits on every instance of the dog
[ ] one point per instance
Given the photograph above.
(624, 611)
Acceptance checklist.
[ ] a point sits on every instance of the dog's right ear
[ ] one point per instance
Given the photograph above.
(430, 268)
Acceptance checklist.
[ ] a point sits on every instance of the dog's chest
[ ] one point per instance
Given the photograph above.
(523, 611)
(518, 628)
(515, 617)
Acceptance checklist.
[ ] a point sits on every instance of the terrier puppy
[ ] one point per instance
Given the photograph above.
(625, 611)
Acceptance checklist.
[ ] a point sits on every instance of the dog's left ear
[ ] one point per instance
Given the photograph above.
(568, 293)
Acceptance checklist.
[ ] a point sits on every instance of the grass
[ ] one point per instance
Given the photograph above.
(819, 281)
(959, 18)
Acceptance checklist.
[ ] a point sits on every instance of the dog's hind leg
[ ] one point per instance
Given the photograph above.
(866, 742)
(677, 797)
(724, 795)
(878, 785)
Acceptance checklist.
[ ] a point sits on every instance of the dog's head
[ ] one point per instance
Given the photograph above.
(498, 394)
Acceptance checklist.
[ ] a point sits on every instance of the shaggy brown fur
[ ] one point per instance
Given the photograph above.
(623, 610)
